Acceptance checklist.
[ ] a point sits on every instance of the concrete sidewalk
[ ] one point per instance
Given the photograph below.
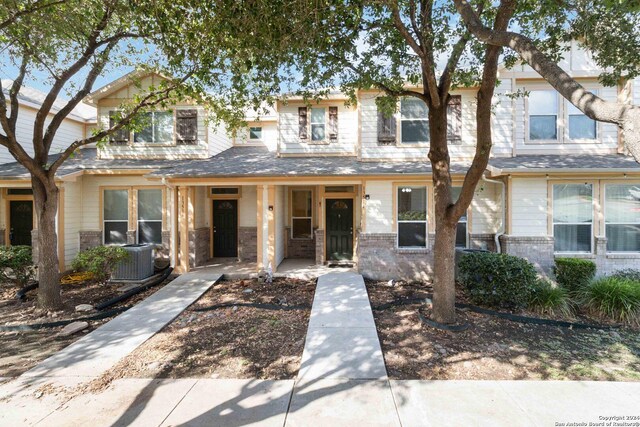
(98, 351)
(220, 402)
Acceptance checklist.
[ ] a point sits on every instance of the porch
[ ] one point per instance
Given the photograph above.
(238, 228)
(296, 268)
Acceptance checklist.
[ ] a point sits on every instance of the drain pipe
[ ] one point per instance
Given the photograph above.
(501, 230)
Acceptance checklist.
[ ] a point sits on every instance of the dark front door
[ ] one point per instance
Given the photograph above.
(21, 221)
(225, 228)
(339, 229)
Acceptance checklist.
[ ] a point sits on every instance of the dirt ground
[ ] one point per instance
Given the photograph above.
(20, 351)
(230, 342)
(496, 349)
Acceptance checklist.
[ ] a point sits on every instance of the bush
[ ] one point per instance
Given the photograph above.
(16, 264)
(100, 261)
(548, 298)
(628, 273)
(497, 280)
(574, 273)
(613, 297)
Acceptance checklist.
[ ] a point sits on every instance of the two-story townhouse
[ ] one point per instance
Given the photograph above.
(329, 182)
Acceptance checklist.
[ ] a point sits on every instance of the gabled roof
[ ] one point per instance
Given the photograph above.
(34, 98)
(120, 83)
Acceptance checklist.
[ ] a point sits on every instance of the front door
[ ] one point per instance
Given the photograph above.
(225, 228)
(21, 222)
(339, 229)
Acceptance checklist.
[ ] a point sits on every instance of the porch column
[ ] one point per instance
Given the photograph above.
(266, 203)
(185, 225)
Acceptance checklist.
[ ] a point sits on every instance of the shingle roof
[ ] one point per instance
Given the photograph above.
(258, 161)
(82, 111)
(86, 159)
(564, 163)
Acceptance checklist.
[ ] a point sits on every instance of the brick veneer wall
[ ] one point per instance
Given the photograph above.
(379, 259)
(90, 239)
(482, 241)
(248, 244)
(199, 246)
(537, 249)
(319, 239)
(300, 248)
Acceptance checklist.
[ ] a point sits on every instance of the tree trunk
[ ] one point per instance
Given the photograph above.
(444, 290)
(45, 197)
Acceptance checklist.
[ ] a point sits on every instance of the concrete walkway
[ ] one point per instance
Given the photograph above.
(98, 351)
(342, 378)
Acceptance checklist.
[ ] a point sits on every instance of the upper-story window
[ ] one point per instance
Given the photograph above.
(543, 115)
(255, 133)
(158, 128)
(414, 118)
(319, 122)
(580, 126)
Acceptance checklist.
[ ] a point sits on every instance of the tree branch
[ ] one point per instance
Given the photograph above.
(38, 5)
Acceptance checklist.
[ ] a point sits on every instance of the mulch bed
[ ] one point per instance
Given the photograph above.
(496, 349)
(20, 351)
(230, 342)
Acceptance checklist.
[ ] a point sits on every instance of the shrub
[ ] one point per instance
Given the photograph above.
(16, 264)
(550, 299)
(613, 297)
(99, 261)
(574, 273)
(497, 280)
(628, 273)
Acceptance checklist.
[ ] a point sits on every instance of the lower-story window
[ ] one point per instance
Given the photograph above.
(461, 231)
(115, 216)
(573, 217)
(150, 216)
(412, 217)
(301, 214)
(622, 217)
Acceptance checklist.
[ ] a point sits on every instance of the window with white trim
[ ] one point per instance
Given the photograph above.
(573, 218)
(150, 216)
(115, 216)
(158, 128)
(414, 121)
(255, 133)
(543, 115)
(580, 126)
(412, 216)
(461, 230)
(622, 217)
(301, 214)
(318, 125)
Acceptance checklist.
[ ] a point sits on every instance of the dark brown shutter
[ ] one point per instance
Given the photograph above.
(187, 127)
(386, 129)
(121, 136)
(454, 119)
(302, 122)
(333, 123)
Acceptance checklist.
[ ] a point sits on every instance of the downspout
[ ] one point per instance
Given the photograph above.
(501, 230)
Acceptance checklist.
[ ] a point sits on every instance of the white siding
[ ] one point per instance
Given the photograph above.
(486, 214)
(269, 135)
(379, 207)
(247, 206)
(68, 132)
(280, 215)
(370, 150)
(73, 211)
(153, 151)
(347, 140)
(218, 139)
(528, 207)
(502, 119)
(201, 208)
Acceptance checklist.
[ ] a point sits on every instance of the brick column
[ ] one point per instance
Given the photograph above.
(320, 246)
